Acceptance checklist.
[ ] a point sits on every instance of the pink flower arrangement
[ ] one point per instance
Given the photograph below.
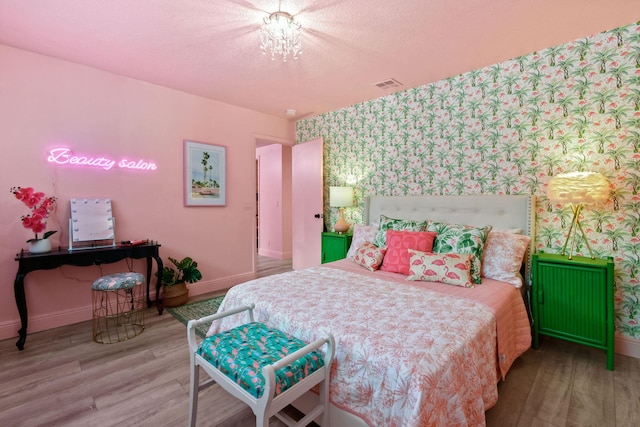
(40, 207)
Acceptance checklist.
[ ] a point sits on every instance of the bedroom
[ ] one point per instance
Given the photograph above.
(97, 111)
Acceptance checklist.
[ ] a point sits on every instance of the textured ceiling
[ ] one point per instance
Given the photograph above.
(211, 47)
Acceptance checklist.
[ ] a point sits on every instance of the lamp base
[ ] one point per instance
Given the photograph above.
(341, 226)
(573, 232)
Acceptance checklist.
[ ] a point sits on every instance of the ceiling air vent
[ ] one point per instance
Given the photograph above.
(388, 84)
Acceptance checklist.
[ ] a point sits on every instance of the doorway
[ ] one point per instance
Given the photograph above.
(273, 198)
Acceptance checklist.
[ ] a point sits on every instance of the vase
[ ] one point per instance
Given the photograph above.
(40, 246)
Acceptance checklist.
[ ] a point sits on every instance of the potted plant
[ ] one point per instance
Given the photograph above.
(174, 281)
(36, 221)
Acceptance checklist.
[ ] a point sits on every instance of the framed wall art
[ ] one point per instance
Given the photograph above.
(204, 174)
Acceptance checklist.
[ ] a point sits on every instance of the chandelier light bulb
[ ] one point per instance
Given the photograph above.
(280, 35)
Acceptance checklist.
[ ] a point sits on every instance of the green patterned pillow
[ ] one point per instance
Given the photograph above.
(387, 223)
(461, 239)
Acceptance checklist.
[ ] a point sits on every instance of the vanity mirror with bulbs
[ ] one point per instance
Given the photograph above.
(92, 224)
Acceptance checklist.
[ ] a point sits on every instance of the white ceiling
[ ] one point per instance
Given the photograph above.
(211, 48)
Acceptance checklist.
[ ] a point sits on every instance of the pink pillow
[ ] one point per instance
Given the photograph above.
(361, 233)
(396, 260)
(503, 254)
(369, 256)
(451, 268)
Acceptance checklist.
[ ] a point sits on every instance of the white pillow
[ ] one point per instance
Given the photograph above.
(503, 254)
(361, 233)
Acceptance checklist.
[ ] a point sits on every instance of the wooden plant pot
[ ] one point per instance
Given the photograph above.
(175, 295)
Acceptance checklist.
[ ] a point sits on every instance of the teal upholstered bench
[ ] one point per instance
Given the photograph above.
(118, 307)
(264, 367)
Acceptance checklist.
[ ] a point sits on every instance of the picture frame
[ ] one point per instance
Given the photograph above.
(205, 174)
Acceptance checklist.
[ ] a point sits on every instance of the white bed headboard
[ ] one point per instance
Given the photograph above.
(502, 212)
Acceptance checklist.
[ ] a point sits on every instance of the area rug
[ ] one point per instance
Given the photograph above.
(196, 310)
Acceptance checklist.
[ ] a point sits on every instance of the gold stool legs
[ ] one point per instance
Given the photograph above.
(117, 314)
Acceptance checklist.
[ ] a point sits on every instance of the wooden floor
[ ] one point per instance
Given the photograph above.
(269, 266)
(566, 384)
(63, 378)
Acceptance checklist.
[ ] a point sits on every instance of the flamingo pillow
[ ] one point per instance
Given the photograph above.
(452, 268)
(369, 256)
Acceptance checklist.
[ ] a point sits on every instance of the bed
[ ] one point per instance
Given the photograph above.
(408, 352)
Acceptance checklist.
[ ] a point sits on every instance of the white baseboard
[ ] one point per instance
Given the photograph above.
(627, 346)
(204, 287)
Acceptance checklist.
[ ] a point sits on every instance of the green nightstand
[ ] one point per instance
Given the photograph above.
(573, 300)
(335, 246)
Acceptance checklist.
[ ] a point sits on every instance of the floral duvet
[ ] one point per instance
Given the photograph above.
(407, 353)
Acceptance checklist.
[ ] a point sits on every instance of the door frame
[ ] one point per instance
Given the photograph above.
(261, 140)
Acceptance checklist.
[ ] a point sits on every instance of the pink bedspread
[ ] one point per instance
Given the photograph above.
(407, 353)
(514, 330)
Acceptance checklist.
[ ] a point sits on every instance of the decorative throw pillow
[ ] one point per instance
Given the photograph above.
(369, 256)
(503, 254)
(396, 260)
(361, 233)
(461, 239)
(452, 269)
(387, 223)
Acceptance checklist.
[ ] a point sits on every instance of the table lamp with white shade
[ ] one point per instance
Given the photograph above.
(578, 189)
(341, 197)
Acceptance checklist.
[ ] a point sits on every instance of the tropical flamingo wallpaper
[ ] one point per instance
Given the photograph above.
(507, 129)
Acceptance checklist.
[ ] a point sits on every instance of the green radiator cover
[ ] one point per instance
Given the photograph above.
(573, 300)
(335, 246)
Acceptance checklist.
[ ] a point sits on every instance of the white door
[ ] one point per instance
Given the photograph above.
(306, 203)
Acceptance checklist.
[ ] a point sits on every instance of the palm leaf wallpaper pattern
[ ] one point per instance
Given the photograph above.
(506, 129)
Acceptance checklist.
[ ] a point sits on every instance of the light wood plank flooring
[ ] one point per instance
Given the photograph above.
(63, 378)
(269, 266)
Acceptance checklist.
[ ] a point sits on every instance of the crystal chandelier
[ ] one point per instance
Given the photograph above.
(280, 35)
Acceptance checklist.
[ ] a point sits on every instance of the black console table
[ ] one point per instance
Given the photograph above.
(28, 262)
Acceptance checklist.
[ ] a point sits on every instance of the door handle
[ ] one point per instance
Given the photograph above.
(318, 215)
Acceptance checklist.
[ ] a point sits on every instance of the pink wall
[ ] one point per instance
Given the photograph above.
(47, 102)
(275, 200)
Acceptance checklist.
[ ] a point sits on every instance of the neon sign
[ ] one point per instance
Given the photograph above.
(64, 156)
